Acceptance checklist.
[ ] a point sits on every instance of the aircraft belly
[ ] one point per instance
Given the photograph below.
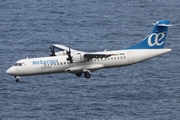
(90, 67)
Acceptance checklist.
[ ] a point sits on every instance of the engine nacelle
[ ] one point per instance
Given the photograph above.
(61, 53)
(78, 58)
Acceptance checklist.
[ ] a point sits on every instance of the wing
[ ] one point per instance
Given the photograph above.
(75, 55)
(62, 50)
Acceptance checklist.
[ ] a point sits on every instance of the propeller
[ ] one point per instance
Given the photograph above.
(52, 51)
(69, 56)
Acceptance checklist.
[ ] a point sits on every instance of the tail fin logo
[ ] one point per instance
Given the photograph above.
(156, 39)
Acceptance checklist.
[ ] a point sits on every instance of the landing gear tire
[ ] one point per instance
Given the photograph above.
(17, 80)
(87, 74)
(79, 74)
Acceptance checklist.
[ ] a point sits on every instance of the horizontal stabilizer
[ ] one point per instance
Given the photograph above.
(163, 23)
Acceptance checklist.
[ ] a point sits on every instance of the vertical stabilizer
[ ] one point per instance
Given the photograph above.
(156, 39)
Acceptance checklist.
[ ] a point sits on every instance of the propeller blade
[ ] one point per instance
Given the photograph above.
(69, 55)
(52, 51)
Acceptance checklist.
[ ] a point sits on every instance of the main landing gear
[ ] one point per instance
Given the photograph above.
(87, 74)
(79, 74)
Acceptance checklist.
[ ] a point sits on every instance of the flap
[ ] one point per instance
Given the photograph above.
(94, 55)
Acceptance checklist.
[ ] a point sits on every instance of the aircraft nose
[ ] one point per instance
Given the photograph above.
(9, 71)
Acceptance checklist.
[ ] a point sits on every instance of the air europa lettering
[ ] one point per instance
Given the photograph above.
(37, 62)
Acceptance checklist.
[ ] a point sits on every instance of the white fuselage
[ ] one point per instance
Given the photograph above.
(58, 64)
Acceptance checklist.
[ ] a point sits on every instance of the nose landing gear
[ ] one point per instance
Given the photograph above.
(17, 78)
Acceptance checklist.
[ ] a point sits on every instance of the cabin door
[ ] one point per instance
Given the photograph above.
(130, 57)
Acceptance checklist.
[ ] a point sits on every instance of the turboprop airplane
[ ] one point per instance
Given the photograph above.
(79, 62)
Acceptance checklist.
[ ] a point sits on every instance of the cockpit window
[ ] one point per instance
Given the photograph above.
(18, 64)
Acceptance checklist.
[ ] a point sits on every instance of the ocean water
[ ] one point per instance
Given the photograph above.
(149, 90)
